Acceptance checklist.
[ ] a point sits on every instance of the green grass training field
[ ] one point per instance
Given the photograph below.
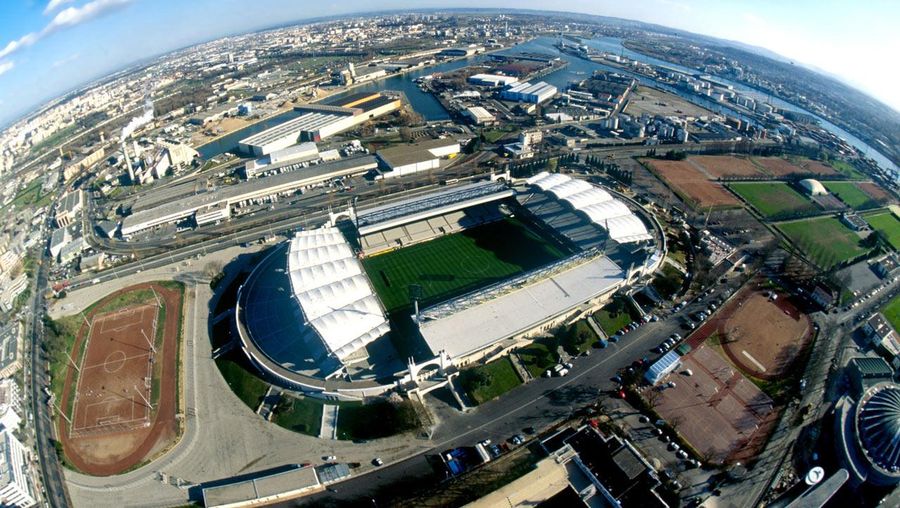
(888, 225)
(773, 198)
(891, 312)
(825, 241)
(851, 194)
(454, 264)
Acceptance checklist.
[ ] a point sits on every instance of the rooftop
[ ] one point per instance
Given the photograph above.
(422, 151)
(256, 490)
(283, 181)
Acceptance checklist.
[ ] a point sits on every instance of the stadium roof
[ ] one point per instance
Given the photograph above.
(430, 205)
(465, 325)
(333, 293)
(602, 209)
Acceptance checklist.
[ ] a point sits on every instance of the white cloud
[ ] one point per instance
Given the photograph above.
(65, 60)
(16, 45)
(6, 66)
(55, 4)
(66, 18)
(72, 16)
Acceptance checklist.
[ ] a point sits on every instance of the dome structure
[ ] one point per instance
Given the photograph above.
(813, 187)
(878, 427)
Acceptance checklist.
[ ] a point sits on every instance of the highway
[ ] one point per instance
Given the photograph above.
(51, 474)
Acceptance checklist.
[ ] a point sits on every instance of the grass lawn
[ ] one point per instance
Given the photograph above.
(850, 194)
(887, 225)
(243, 382)
(454, 264)
(578, 337)
(614, 316)
(824, 240)
(31, 195)
(847, 169)
(376, 420)
(300, 414)
(539, 356)
(891, 312)
(773, 198)
(489, 381)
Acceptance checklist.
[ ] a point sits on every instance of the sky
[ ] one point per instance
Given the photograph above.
(48, 47)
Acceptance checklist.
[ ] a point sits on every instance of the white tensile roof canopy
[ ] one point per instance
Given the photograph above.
(334, 294)
(598, 205)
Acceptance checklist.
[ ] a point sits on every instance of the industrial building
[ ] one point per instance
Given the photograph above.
(526, 92)
(492, 80)
(479, 116)
(423, 156)
(320, 121)
(280, 159)
(168, 212)
(68, 208)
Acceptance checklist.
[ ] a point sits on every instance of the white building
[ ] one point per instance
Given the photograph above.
(15, 488)
(526, 92)
(492, 80)
(69, 205)
(479, 115)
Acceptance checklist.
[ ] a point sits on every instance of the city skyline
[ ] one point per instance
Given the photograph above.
(51, 47)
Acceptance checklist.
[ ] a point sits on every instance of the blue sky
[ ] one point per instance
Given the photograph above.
(48, 47)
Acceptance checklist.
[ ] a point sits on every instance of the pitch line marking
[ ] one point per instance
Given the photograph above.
(754, 360)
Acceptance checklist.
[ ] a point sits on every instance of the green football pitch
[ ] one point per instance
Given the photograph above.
(451, 265)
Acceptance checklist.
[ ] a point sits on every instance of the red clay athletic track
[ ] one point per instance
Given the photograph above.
(109, 452)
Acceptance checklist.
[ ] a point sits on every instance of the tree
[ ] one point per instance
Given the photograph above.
(551, 165)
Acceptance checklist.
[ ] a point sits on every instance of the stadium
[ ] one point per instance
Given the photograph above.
(419, 286)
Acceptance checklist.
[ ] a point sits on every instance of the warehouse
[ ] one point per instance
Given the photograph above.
(526, 92)
(423, 156)
(319, 121)
(492, 80)
(172, 211)
(480, 116)
(279, 159)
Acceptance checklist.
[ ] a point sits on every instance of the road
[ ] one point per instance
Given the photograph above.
(51, 475)
(540, 403)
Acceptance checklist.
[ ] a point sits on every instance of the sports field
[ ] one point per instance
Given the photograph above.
(773, 199)
(777, 166)
(891, 312)
(691, 184)
(825, 240)
(888, 225)
(454, 264)
(123, 393)
(851, 194)
(727, 166)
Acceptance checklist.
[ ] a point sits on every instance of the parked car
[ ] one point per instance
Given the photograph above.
(377, 461)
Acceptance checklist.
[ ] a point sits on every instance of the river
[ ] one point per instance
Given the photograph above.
(430, 109)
